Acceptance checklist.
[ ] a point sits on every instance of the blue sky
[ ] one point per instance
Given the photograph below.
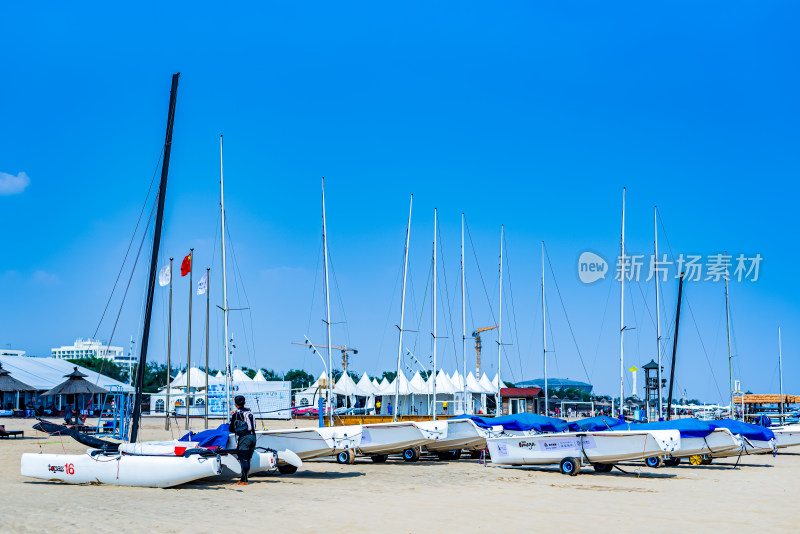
(532, 116)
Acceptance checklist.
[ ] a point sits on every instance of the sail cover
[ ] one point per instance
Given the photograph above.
(522, 421)
(689, 428)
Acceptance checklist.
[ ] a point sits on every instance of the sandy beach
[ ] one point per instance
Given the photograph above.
(428, 496)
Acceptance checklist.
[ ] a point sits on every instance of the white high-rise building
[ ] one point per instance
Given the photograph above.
(91, 348)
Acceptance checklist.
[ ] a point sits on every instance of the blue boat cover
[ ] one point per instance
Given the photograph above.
(689, 428)
(763, 420)
(594, 424)
(522, 421)
(213, 437)
(745, 429)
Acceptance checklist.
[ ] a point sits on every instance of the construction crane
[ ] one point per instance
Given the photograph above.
(344, 348)
(477, 335)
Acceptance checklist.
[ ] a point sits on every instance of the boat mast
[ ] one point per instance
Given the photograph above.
(433, 293)
(208, 311)
(675, 346)
(327, 308)
(622, 312)
(658, 314)
(780, 375)
(189, 353)
(228, 377)
(544, 341)
(730, 354)
(402, 314)
(169, 350)
(464, 317)
(151, 282)
(500, 329)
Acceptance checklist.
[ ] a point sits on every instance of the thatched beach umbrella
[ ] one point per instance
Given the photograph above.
(75, 385)
(11, 384)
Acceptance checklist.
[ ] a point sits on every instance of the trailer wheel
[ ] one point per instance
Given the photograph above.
(411, 454)
(570, 466)
(706, 460)
(456, 454)
(379, 458)
(672, 462)
(654, 462)
(287, 469)
(695, 459)
(603, 468)
(476, 455)
(346, 457)
(444, 455)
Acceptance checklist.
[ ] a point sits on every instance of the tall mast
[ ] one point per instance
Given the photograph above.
(780, 375)
(151, 282)
(544, 341)
(464, 317)
(622, 312)
(435, 224)
(228, 377)
(675, 347)
(402, 314)
(327, 307)
(189, 348)
(500, 329)
(169, 351)
(208, 311)
(658, 313)
(730, 354)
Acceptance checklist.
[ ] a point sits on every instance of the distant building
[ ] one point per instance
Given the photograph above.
(10, 352)
(554, 384)
(90, 348)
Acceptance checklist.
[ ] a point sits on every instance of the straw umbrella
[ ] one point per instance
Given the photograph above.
(75, 385)
(9, 384)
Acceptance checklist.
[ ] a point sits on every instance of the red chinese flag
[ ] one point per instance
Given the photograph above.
(186, 265)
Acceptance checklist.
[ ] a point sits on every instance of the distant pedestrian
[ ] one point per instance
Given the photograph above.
(389, 408)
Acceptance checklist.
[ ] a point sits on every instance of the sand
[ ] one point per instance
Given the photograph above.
(428, 496)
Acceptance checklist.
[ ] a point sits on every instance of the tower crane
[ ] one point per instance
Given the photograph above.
(344, 348)
(477, 335)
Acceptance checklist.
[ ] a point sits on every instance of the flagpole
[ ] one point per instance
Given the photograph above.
(189, 351)
(169, 350)
(208, 303)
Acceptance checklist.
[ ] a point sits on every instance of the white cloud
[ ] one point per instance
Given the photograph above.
(41, 277)
(13, 185)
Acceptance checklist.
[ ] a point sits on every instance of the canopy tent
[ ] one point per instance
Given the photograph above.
(473, 386)
(11, 384)
(346, 386)
(390, 387)
(376, 383)
(443, 384)
(366, 386)
(75, 385)
(418, 385)
(240, 376)
(458, 381)
(496, 383)
(221, 375)
(259, 377)
(487, 385)
(45, 373)
(196, 379)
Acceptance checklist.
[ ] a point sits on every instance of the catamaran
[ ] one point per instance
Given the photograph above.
(571, 449)
(462, 434)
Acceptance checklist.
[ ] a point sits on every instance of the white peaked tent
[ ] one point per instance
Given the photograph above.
(496, 383)
(346, 386)
(417, 384)
(487, 385)
(443, 384)
(322, 378)
(376, 384)
(473, 386)
(366, 386)
(259, 377)
(220, 375)
(383, 387)
(389, 389)
(197, 379)
(240, 376)
(457, 381)
(178, 376)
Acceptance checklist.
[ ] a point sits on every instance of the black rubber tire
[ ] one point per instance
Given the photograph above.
(379, 458)
(672, 462)
(654, 462)
(570, 466)
(475, 455)
(444, 456)
(411, 455)
(603, 468)
(287, 469)
(343, 457)
(706, 461)
(456, 454)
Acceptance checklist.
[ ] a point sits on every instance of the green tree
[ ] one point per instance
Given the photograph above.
(299, 378)
(155, 376)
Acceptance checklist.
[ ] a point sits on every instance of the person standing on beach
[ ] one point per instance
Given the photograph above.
(243, 424)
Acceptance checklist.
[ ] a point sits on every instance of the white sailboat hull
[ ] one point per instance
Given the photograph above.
(119, 469)
(787, 436)
(718, 442)
(307, 443)
(603, 447)
(391, 438)
(461, 434)
(750, 446)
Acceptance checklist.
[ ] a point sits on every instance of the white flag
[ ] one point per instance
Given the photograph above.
(202, 285)
(164, 276)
